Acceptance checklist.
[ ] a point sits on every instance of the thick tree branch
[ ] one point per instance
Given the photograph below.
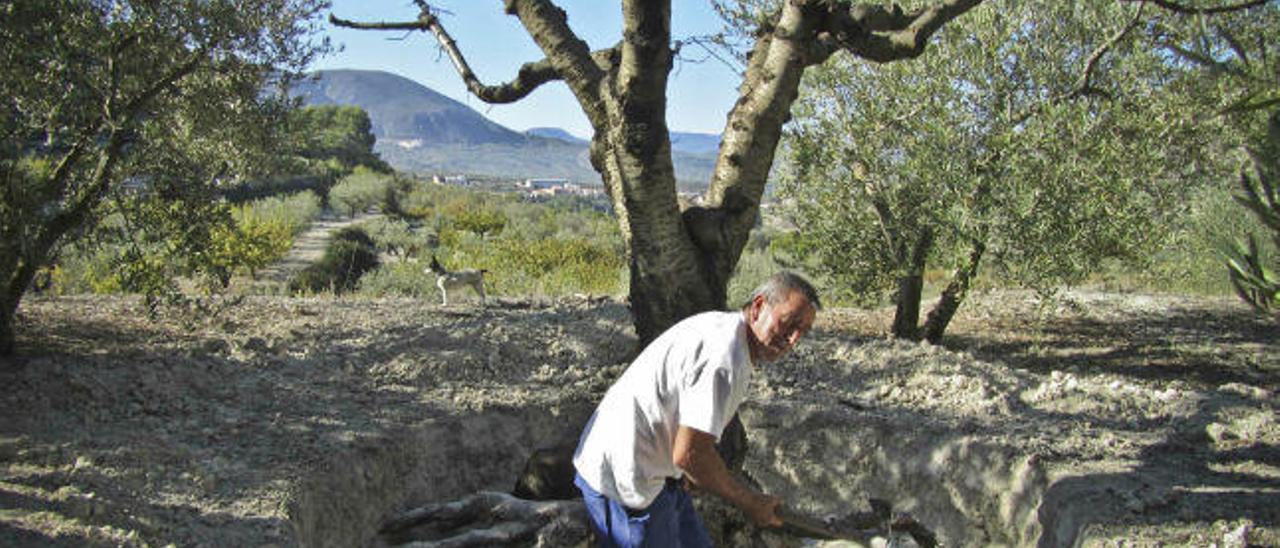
(646, 50)
(584, 72)
(883, 34)
(1190, 10)
(528, 78)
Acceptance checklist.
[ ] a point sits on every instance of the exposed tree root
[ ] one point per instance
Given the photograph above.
(489, 518)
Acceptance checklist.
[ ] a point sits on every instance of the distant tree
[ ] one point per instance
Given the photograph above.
(361, 190)
(1030, 141)
(342, 133)
(482, 222)
(158, 100)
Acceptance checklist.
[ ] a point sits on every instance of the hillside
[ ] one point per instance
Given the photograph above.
(403, 110)
(422, 131)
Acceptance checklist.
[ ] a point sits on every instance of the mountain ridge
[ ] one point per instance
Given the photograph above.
(420, 130)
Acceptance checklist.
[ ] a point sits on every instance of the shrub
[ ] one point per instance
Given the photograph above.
(296, 211)
(251, 244)
(351, 254)
(360, 191)
(408, 279)
(482, 222)
(395, 236)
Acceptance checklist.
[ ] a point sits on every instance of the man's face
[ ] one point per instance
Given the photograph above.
(775, 328)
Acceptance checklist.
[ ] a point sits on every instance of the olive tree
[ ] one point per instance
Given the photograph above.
(151, 101)
(1038, 138)
(681, 260)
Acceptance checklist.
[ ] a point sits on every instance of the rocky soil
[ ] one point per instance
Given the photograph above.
(1097, 418)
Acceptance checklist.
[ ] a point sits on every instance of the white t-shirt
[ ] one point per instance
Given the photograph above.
(694, 374)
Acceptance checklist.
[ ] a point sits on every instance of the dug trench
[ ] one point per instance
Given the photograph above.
(828, 463)
(307, 422)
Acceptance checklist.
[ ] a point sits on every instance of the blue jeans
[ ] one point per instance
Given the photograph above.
(669, 521)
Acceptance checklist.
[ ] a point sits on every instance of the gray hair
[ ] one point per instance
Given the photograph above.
(781, 284)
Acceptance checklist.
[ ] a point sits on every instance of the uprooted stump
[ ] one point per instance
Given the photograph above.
(489, 518)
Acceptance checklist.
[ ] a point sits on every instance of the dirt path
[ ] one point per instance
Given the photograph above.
(308, 247)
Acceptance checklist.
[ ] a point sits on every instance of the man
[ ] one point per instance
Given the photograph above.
(660, 420)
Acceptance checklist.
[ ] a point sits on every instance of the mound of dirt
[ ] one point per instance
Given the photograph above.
(289, 421)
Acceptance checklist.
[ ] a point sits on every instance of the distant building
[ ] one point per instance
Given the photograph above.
(543, 184)
(452, 180)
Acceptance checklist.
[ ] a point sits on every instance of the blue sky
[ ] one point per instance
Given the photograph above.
(699, 96)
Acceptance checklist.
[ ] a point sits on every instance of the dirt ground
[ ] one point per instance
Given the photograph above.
(1097, 418)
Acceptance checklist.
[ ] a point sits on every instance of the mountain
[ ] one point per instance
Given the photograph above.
(695, 143)
(690, 143)
(554, 133)
(404, 110)
(419, 130)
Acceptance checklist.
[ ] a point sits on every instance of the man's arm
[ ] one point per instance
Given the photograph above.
(695, 453)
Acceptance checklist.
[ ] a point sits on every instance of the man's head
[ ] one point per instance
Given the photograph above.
(778, 314)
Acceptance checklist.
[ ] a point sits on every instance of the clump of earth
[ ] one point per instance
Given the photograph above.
(1096, 418)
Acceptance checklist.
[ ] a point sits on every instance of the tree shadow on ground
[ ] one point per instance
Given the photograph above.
(1205, 346)
(1182, 479)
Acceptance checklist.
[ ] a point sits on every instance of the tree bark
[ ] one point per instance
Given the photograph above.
(940, 316)
(910, 289)
(8, 312)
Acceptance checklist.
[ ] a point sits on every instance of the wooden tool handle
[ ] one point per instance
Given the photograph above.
(807, 526)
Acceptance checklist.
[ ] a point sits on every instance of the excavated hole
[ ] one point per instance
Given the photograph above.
(825, 462)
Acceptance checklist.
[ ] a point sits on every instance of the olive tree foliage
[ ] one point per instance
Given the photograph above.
(133, 108)
(681, 259)
(1037, 140)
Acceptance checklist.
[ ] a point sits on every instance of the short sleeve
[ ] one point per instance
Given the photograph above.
(704, 395)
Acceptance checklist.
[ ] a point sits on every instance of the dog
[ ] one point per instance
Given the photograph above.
(446, 280)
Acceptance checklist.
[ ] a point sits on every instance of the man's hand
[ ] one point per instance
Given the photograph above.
(764, 511)
(694, 452)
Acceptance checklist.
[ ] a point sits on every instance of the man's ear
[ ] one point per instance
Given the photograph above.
(757, 305)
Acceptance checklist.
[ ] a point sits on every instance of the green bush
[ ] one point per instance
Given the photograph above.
(295, 211)
(418, 203)
(396, 236)
(362, 190)
(349, 256)
(409, 279)
(482, 221)
(547, 266)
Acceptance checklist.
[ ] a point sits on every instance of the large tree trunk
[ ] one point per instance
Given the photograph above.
(910, 289)
(8, 311)
(19, 273)
(936, 323)
(906, 314)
